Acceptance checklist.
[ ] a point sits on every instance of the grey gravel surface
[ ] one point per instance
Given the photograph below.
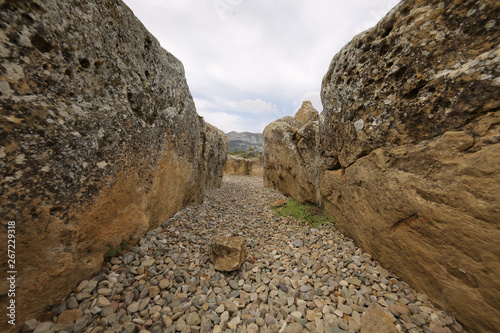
(295, 279)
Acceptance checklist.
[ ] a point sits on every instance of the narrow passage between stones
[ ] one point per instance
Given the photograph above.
(295, 279)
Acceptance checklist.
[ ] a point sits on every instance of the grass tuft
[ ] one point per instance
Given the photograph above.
(241, 153)
(113, 252)
(310, 214)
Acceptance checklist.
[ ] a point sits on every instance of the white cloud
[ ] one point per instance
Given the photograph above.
(256, 106)
(252, 106)
(224, 121)
(256, 58)
(242, 115)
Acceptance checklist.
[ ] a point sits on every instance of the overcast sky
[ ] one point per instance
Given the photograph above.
(250, 62)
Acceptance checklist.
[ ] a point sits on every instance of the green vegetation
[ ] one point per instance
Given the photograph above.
(113, 252)
(240, 153)
(311, 214)
(237, 152)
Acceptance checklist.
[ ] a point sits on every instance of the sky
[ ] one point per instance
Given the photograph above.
(250, 62)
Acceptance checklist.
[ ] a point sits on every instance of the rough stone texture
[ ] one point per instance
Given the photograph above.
(375, 320)
(213, 159)
(70, 316)
(413, 77)
(228, 253)
(100, 140)
(410, 143)
(306, 113)
(290, 154)
(239, 166)
(408, 151)
(429, 212)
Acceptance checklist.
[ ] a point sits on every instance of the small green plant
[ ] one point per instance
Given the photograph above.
(240, 153)
(113, 252)
(311, 214)
(237, 152)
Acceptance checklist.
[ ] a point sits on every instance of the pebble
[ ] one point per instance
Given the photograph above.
(105, 291)
(82, 296)
(345, 309)
(234, 323)
(193, 319)
(43, 327)
(295, 279)
(294, 328)
(418, 319)
(252, 328)
(102, 302)
(134, 307)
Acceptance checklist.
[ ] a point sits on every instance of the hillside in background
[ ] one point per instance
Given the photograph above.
(243, 141)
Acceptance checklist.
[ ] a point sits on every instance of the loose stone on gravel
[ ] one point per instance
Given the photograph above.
(292, 279)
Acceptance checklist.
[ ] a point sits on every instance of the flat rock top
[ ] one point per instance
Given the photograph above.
(294, 276)
(229, 241)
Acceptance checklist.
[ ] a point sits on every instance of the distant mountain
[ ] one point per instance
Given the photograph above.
(244, 140)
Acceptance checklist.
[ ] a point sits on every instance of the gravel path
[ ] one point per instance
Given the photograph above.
(295, 279)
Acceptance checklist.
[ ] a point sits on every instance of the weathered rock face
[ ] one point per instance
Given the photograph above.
(307, 113)
(215, 156)
(429, 212)
(409, 138)
(100, 141)
(290, 154)
(213, 159)
(237, 165)
(408, 151)
(423, 70)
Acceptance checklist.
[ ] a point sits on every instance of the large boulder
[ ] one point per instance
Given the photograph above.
(306, 113)
(100, 141)
(290, 154)
(215, 155)
(425, 69)
(409, 139)
(212, 161)
(238, 165)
